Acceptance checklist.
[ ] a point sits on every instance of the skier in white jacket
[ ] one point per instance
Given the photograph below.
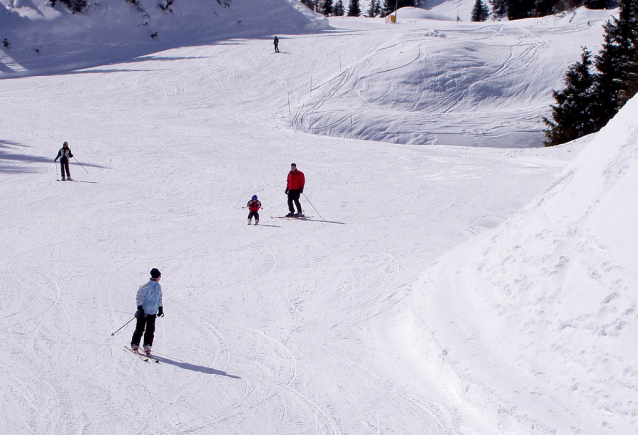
(149, 307)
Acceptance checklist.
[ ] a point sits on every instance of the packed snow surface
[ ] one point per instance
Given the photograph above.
(436, 289)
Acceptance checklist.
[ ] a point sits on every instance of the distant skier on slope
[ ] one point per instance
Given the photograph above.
(149, 306)
(294, 189)
(276, 43)
(64, 155)
(253, 206)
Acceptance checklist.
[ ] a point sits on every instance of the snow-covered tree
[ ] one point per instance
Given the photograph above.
(499, 8)
(374, 9)
(354, 10)
(388, 7)
(480, 12)
(326, 7)
(340, 11)
(572, 115)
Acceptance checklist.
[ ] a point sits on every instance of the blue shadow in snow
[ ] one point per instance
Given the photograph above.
(193, 367)
(8, 159)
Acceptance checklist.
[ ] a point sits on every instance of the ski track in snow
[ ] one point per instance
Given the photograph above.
(294, 329)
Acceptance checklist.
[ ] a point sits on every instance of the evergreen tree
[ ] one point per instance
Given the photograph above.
(595, 4)
(72, 5)
(327, 8)
(499, 8)
(572, 115)
(480, 12)
(517, 9)
(548, 7)
(388, 7)
(580, 112)
(339, 9)
(354, 10)
(374, 8)
(617, 63)
(309, 3)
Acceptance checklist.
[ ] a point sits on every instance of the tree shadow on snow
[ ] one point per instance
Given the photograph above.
(8, 159)
(193, 367)
(31, 59)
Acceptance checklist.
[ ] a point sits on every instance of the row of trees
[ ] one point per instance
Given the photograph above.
(517, 9)
(591, 98)
(512, 9)
(377, 7)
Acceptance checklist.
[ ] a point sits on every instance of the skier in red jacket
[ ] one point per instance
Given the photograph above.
(294, 189)
(253, 206)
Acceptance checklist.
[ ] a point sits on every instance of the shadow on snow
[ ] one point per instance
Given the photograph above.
(193, 367)
(8, 159)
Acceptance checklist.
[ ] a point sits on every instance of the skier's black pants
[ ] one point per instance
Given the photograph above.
(144, 322)
(293, 196)
(253, 214)
(64, 166)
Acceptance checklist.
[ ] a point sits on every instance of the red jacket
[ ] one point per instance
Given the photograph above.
(254, 205)
(296, 180)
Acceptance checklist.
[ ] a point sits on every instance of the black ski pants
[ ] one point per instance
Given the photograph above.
(144, 322)
(293, 197)
(253, 214)
(64, 166)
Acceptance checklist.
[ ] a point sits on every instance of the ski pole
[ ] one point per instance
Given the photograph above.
(81, 165)
(55, 163)
(304, 195)
(123, 326)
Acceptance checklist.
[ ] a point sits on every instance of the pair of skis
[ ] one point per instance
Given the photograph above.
(142, 356)
(292, 217)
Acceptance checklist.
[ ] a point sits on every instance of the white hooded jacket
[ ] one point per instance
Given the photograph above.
(149, 296)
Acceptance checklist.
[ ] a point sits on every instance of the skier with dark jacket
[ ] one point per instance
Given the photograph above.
(149, 307)
(64, 155)
(276, 44)
(253, 207)
(294, 189)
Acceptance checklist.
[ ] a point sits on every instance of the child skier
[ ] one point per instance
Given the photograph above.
(254, 205)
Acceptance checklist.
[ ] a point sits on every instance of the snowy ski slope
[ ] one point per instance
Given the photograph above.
(442, 289)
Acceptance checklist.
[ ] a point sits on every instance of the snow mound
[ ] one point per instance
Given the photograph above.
(557, 270)
(440, 82)
(421, 14)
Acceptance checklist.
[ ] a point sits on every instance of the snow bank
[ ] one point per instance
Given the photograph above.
(424, 81)
(548, 299)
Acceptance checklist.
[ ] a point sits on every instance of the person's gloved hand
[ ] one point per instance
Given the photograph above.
(140, 312)
(160, 312)
(301, 190)
(287, 191)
